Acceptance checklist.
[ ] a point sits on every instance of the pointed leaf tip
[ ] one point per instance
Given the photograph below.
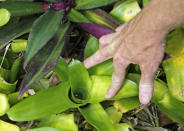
(22, 90)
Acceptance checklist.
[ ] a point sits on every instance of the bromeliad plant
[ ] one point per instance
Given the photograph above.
(48, 24)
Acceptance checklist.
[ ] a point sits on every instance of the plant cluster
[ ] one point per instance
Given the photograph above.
(41, 90)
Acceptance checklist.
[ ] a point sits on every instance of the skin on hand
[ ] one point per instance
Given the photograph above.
(140, 41)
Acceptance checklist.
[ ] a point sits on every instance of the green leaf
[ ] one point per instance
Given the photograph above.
(42, 31)
(10, 57)
(124, 127)
(5, 74)
(91, 47)
(97, 117)
(46, 102)
(5, 126)
(3, 104)
(15, 69)
(125, 11)
(22, 8)
(88, 4)
(100, 85)
(160, 87)
(105, 68)
(6, 87)
(118, 3)
(13, 98)
(41, 85)
(4, 16)
(162, 98)
(114, 114)
(61, 70)
(45, 60)
(12, 21)
(80, 81)
(126, 104)
(5, 63)
(99, 16)
(76, 16)
(174, 69)
(13, 31)
(175, 43)
(172, 108)
(63, 122)
(44, 129)
(19, 45)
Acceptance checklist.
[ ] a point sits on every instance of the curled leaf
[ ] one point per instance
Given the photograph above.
(80, 81)
(6, 87)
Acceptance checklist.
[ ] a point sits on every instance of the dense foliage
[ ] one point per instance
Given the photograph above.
(43, 44)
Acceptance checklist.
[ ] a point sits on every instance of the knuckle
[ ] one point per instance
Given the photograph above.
(106, 52)
(147, 74)
(119, 59)
(102, 40)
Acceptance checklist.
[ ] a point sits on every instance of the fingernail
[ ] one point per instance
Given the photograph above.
(113, 88)
(86, 64)
(145, 99)
(145, 93)
(107, 95)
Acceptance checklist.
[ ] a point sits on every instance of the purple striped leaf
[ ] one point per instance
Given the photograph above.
(45, 60)
(96, 30)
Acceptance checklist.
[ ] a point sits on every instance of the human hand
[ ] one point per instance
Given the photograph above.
(141, 42)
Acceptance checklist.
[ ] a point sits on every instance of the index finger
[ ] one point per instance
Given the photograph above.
(100, 56)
